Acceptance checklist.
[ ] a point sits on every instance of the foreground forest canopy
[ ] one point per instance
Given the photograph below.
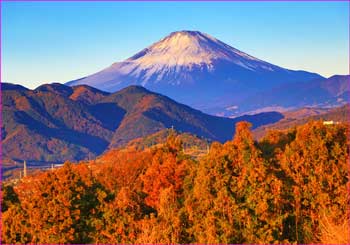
(290, 187)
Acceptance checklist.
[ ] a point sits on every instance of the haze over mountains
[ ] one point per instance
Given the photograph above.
(330, 92)
(56, 123)
(205, 73)
(302, 116)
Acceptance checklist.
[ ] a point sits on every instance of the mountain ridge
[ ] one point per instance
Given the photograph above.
(331, 92)
(195, 69)
(55, 122)
(304, 115)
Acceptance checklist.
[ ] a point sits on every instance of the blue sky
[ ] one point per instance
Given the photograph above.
(61, 41)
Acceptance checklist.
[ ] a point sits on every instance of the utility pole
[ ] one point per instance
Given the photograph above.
(25, 168)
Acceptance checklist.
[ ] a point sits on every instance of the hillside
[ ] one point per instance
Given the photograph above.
(301, 116)
(55, 123)
(192, 145)
(290, 188)
(330, 92)
(44, 125)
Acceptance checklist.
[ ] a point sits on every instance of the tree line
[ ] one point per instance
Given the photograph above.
(290, 187)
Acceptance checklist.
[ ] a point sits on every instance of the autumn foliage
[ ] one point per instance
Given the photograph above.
(291, 187)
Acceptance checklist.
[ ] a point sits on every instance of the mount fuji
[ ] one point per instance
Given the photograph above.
(199, 70)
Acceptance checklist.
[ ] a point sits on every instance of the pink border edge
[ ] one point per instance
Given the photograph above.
(136, 1)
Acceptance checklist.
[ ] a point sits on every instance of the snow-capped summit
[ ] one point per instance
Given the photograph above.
(194, 68)
(189, 48)
(186, 50)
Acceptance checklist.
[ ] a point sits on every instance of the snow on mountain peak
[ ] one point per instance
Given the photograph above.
(182, 57)
(185, 50)
(197, 69)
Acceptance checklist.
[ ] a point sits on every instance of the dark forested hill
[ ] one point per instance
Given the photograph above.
(55, 123)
